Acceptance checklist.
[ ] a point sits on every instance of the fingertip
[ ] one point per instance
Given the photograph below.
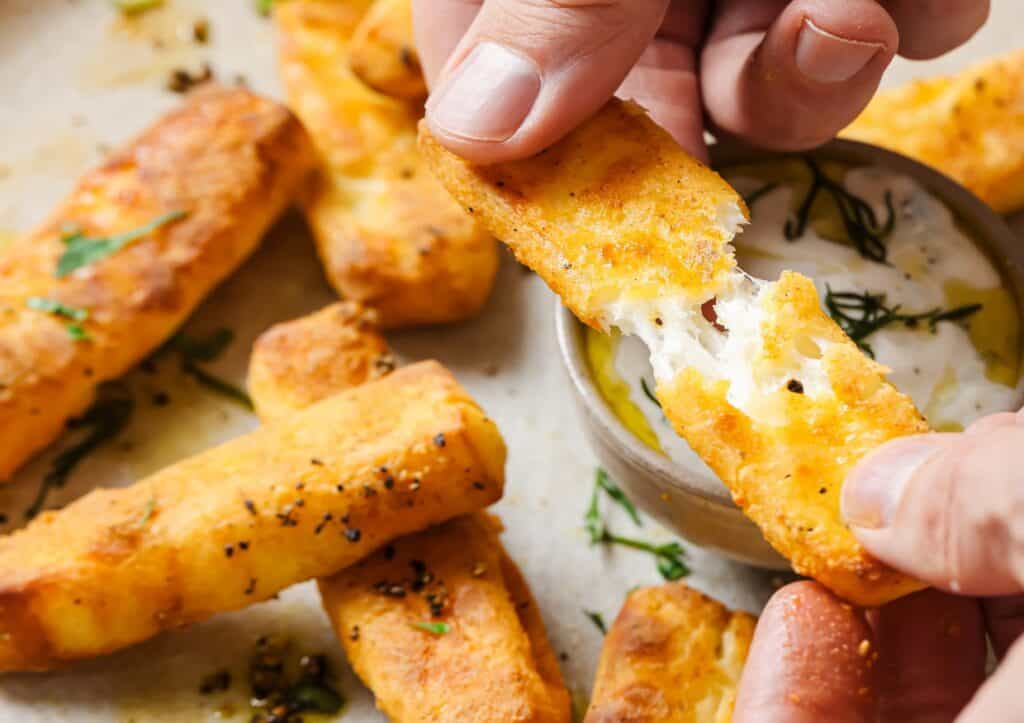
(795, 83)
(811, 659)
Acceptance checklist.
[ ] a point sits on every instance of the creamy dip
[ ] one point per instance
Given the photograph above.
(953, 344)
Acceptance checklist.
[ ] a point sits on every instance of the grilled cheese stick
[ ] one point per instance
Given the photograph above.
(495, 663)
(298, 499)
(970, 126)
(388, 234)
(632, 233)
(383, 52)
(231, 161)
(671, 656)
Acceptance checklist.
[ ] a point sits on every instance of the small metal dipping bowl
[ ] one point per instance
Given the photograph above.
(698, 506)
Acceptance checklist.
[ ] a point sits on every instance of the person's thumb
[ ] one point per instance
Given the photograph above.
(528, 71)
(946, 508)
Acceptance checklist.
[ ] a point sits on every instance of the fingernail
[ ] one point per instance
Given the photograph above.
(825, 57)
(874, 488)
(488, 96)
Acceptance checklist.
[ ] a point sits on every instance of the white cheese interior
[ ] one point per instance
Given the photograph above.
(679, 336)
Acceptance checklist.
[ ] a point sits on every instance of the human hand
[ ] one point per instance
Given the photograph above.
(948, 509)
(510, 77)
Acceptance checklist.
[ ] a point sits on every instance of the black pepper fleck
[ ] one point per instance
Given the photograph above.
(439, 439)
(352, 534)
(795, 386)
(229, 550)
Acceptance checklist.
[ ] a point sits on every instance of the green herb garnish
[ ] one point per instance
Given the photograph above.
(435, 628)
(862, 314)
(669, 556)
(81, 250)
(134, 7)
(264, 7)
(862, 226)
(200, 350)
(598, 621)
(648, 393)
(754, 196)
(105, 419)
(52, 306)
(605, 482)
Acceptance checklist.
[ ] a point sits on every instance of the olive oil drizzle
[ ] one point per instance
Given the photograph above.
(861, 223)
(862, 314)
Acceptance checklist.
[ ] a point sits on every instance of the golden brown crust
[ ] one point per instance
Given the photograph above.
(300, 362)
(323, 346)
(383, 51)
(119, 565)
(616, 193)
(617, 210)
(388, 234)
(970, 126)
(232, 161)
(484, 668)
(672, 656)
(787, 477)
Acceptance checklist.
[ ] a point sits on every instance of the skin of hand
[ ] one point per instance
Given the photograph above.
(510, 77)
(948, 509)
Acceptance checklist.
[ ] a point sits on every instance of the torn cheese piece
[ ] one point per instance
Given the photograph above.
(635, 234)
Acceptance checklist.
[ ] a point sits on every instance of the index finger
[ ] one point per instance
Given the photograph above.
(812, 659)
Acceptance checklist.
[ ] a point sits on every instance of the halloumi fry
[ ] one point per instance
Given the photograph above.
(388, 234)
(672, 656)
(301, 362)
(495, 663)
(434, 628)
(970, 126)
(208, 178)
(383, 51)
(298, 499)
(633, 233)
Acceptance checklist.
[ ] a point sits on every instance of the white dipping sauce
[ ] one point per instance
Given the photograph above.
(941, 369)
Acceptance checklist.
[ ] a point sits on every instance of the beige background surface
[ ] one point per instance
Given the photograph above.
(75, 80)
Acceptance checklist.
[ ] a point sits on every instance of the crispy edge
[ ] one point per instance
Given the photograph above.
(300, 362)
(614, 210)
(969, 126)
(672, 655)
(229, 158)
(383, 52)
(387, 233)
(788, 477)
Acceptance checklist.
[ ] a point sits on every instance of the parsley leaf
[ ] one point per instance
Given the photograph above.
(264, 7)
(105, 419)
(598, 621)
(195, 350)
(435, 628)
(605, 483)
(81, 250)
(52, 306)
(669, 557)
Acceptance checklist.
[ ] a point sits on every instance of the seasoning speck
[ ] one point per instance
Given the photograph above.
(229, 550)
(795, 386)
(439, 439)
(352, 534)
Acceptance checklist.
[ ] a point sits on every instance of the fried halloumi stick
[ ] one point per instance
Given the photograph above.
(633, 233)
(383, 51)
(388, 234)
(970, 126)
(495, 663)
(211, 175)
(672, 656)
(295, 500)
(301, 362)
